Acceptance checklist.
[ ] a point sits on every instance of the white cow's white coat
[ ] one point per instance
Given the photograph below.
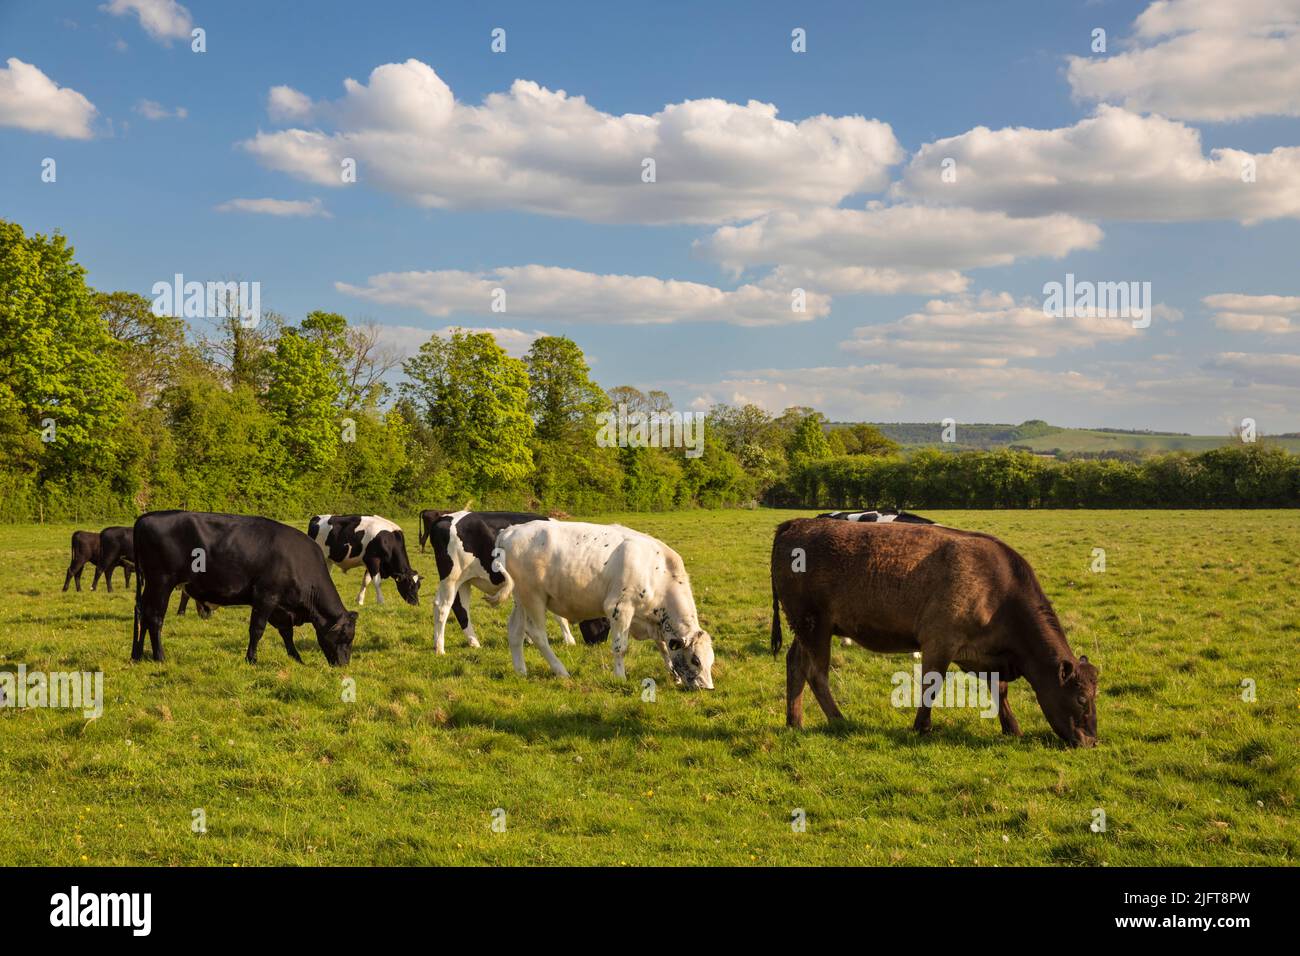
(582, 571)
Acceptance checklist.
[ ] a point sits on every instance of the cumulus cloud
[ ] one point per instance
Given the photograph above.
(1113, 165)
(1202, 60)
(1271, 314)
(30, 100)
(569, 295)
(164, 20)
(888, 249)
(153, 110)
(986, 330)
(544, 151)
(277, 207)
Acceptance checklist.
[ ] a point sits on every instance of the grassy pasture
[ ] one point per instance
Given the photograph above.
(286, 772)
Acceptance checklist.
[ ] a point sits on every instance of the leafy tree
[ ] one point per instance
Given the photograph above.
(475, 397)
(149, 346)
(562, 397)
(304, 382)
(58, 377)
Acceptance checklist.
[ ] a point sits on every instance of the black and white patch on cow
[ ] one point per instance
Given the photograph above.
(883, 515)
(369, 541)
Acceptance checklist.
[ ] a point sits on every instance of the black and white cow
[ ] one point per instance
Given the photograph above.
(375, 543)
(463, 543)
(229, 560)
(885, 514)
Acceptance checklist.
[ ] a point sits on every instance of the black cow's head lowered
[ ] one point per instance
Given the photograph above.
(397, 566)
(336, 641)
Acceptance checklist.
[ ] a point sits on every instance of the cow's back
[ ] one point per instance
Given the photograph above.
(882, 582)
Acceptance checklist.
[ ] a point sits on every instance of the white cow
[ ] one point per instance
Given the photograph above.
(581, 571)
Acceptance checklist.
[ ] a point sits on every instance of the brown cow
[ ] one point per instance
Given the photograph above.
(957, 596)
(85, 550)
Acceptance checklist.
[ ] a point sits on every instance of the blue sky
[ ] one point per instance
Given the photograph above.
(924, 304)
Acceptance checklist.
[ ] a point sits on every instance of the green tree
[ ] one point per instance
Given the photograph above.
(562, 398)
(58, 377)
(304, 383)
(475, 397)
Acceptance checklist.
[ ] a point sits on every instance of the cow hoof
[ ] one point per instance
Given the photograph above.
(250, 658)
(473, 642)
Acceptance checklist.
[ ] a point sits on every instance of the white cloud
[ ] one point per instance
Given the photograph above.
(277, 207)
(152, 110)
(568, 295)
(30, 100)
(284, 103)
(987, 330)
(164, 20)
(884, 391)
(407, 339)
(1251, 368)
(544, 151)
(1113, 165)
(888, 249)
(1205, 60)
(1271, 314)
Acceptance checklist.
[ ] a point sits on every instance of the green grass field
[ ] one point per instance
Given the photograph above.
(286, 772)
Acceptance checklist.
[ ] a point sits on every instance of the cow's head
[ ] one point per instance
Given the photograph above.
(691, 660)
(336, 642)
(408, 586)
(398, 567)
(1070, 704)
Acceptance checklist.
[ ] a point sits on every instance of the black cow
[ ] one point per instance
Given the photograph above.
(883, 515)
(427, 519)
(85, 548)
(371, 541)
(238, 560)
(116, 547)
(462, 549)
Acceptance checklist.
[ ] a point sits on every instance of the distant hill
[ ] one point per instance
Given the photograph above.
(1038, 436)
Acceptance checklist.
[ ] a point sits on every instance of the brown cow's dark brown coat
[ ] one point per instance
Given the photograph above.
(956, 596)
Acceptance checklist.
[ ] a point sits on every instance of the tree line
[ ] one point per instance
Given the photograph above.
(108, 409)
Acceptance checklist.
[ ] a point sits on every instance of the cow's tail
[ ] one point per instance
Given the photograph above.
(137, 639)
(776, 600)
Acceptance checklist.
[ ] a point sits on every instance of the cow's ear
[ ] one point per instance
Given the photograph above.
(1066, 671)
(352, 616)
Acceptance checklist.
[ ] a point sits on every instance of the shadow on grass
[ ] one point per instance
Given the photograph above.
(590, 725)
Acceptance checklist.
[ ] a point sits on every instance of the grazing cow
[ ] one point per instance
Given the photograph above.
(885, 515)
(373, 542)
(105, 550)
(238, 560)
(85, 548)
(462, 548)
(957, 596)
(582, 571)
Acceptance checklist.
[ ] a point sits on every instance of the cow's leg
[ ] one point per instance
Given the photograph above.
(77, 577)
(126, 574)
(1010, 726)
(365, 583)
(564, 629)
(94, 584)
(284, 624)
(185, 600)
(461, 608)
(620, 623)
(441, 609)
(108, 576)
(153, 609)
(536, 628)
(816, 659)
(73, 570)
(795, 680)
(379, 594)
(256, 625)
(515, 635)
(934, 660)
